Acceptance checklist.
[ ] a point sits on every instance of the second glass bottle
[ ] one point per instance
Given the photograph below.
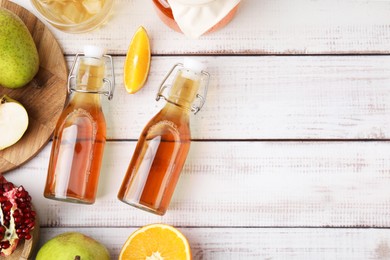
(163, 146)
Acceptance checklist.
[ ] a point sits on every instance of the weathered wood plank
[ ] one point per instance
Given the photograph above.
(260, 27)
(345, 97)
(232, 195)
(237, 184)
(258, 243)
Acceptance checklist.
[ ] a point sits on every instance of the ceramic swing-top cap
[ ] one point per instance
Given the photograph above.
(93, 51)
(192, 68)
(193, 65)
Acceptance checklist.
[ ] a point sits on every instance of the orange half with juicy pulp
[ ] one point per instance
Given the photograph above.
(156, 241)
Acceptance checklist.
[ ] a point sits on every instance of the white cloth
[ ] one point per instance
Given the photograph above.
(195, 17)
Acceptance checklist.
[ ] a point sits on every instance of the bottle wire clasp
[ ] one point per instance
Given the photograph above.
(200, 98)
(111, 83)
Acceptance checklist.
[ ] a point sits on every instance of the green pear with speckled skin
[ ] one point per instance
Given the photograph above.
(73, 246)
(19, 60)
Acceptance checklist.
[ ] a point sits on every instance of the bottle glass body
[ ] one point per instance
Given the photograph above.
(78, 142)
(161, 152)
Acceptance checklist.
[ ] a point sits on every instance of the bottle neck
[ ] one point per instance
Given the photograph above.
(86, 98)
(90, 74)
(175, 112)
(89, 79)
(184, 89)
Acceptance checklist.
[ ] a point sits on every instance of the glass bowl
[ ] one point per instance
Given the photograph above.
(74, 16)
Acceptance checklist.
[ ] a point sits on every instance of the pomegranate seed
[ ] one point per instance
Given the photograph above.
(31, 225)
(7, 207)
(4, 244)
(8, 186)
(21, 193)
(27, 237)
(2, 232)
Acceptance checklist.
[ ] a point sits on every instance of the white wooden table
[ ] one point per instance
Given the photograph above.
(290, 156)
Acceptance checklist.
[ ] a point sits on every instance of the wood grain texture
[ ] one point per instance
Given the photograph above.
(337, 97)
(257, 243)
(260, 27)
(240, 184)
(44, 97)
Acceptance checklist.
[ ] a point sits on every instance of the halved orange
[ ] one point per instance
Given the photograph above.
(156, 241)
(137, 62)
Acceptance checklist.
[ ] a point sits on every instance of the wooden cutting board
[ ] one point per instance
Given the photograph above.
(44, 97)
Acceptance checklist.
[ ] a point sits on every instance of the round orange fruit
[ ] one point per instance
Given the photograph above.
(157, 242)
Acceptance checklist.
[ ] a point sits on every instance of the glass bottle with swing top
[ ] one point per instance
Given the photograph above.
(80, 133)
(164, 143)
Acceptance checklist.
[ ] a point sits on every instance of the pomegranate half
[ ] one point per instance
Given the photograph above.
(17, 218)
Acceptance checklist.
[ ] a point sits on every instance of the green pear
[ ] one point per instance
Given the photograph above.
(19, 60)
(73, 246)
(13, 121)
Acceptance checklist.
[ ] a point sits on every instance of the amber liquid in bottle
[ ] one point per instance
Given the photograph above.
(161, 152)
(78, 141)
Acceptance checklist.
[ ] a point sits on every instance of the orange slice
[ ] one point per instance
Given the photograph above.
(137, 63)
(157, 242)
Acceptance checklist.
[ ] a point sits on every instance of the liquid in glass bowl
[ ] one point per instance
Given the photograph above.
(74, 16)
